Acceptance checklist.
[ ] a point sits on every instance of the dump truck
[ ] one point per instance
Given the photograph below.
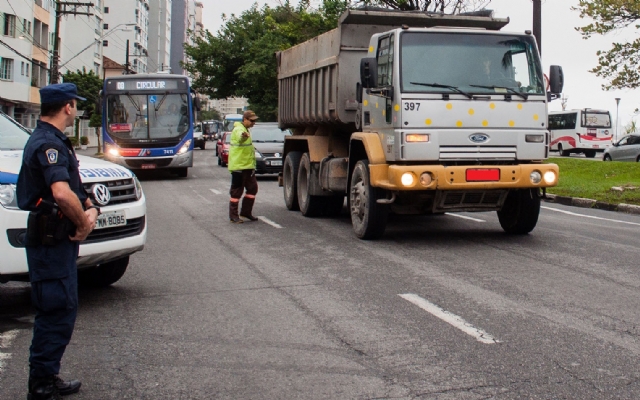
(416, 113)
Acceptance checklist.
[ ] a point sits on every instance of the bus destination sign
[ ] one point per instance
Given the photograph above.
(147, 85)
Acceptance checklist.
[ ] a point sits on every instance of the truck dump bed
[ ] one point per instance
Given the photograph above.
(317, 79)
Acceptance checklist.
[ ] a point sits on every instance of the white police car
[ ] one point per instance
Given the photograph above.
(120, 231)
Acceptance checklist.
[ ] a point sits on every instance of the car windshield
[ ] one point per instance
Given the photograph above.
(268, 134)
(141, 116)
(12, 136)
(483, 63)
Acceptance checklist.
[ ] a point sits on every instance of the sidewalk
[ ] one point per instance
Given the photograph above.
(90, 151)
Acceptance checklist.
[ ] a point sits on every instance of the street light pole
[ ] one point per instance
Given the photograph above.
(114, 29)
(617, 113)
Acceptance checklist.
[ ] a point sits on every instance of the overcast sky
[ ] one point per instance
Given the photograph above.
(561, 45)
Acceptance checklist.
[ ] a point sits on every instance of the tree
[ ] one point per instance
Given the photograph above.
(240, 59)
(89, 85)
(208, 115)
(441, 6)
(619, 65)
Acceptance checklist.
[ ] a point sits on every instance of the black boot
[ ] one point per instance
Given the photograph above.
(66, 387)
(43, 389)
(233, 213)
(247, 208)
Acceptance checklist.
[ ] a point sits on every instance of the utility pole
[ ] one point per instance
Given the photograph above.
(537, 23)
(61, 9)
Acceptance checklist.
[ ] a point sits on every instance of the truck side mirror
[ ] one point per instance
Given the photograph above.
(556, 79)
(368, 72)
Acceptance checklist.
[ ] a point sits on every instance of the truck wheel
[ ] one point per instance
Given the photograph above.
(203, 145)
(310, 206)
(290, 180)
(590, 153)
(368, 217)
(105, 274)
(519, 214)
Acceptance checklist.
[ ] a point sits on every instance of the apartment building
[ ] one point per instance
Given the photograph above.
(160, 34)
(231, 105)
(81, 40)
(186, 16)
(131, 17)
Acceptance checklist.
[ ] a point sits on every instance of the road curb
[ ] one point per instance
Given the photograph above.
(590, 203)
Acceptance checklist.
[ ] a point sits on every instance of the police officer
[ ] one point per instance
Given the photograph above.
(242, 165)
(49, 186)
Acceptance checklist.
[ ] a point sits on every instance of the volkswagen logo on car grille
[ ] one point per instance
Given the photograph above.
(479, 138)
(277, 155)
(101, 193)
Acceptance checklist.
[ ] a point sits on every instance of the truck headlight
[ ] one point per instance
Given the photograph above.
(138, 187)
(185, 147)
(550, 177)
(8, 197)
(407, 179)
(535, 177)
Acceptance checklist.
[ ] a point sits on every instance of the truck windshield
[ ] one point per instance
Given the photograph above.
(142, 116)
(477, 63)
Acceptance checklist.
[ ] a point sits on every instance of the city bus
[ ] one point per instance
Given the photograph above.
(229, 120)
(147, 121)
(580, 131)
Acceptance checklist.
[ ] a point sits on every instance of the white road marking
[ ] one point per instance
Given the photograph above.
(589, 216)
(268, 221)
(215, 191)
(454, 320)
(202, 197)
(5, 341)
(465, 217)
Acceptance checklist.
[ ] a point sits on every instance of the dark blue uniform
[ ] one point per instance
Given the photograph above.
(48, 158)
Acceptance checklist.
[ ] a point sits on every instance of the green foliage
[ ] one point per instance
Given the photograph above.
(209, 115)
(441, 6)
(84, 140)
(74, 141)
(594, 179)
(619, 65)
(95, 121)
(89, 85)
(240, 59)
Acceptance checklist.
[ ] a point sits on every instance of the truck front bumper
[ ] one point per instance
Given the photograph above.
(465, 177)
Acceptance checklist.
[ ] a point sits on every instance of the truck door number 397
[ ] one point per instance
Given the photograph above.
(410, 106)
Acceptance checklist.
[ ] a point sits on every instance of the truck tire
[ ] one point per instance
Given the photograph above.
(368, 217)
(519, 214)
(105, 274)
(290, 180)
(310, 206)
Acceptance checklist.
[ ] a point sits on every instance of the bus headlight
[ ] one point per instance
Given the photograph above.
(185, 147)
(535, 177)
(550, 177)
(113, 151)
(407, 179)
(8, 197)
(138, 187)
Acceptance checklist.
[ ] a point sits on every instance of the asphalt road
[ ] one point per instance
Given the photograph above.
(445, 307)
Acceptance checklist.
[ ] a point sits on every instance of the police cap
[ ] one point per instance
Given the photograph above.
(59, 92)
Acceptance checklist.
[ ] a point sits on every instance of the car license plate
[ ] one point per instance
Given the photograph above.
(111, 219)
(276, 162)
(148, 166)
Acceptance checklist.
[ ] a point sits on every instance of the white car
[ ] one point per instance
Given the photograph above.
(120, 231)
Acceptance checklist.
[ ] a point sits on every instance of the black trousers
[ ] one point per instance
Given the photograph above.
(241, 180)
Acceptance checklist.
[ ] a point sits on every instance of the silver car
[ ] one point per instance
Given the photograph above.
(627, 149)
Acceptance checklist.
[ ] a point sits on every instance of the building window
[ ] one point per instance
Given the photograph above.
(106, 10)
(9, 25)
(22, 68)
(27, 70)
(6, 69)
(96, 68)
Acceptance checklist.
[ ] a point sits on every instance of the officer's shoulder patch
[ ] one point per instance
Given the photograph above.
(52, 156)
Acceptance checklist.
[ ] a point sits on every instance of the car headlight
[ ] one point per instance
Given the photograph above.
(8, 197)
(138, 187)
(258, 155)
(185, 147)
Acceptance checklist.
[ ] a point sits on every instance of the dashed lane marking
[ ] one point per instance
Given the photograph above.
(215, 191)
(465, 217)
(6, 339)
(268, 221)
(202, 197)
(590, 216)
(450, 318)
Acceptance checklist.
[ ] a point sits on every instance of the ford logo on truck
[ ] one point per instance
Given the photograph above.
(479, 138)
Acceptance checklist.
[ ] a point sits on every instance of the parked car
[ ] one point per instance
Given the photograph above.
(222, 149)
(268, 141)
(198, 137)
(627, 149)
(121, 229)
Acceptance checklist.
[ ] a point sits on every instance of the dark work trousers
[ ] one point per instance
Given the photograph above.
(56, 304)
(241, 180)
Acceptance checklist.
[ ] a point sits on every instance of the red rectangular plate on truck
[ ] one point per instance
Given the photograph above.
(483, 175)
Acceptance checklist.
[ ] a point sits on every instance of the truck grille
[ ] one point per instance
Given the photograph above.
(133, 227)
(474, 199)
(122, 191)
(478, 152)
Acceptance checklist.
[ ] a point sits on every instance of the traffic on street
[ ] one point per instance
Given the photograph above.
(444, 306)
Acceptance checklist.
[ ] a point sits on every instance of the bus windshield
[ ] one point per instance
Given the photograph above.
(146, 116)
(479, 63)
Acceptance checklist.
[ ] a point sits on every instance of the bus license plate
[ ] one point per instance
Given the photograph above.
(148, 166)
(111, 219)
(276, 162)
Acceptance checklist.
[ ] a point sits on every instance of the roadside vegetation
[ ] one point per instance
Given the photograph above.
(595, 180)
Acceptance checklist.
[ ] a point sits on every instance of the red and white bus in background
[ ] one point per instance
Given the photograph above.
(580, 131)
